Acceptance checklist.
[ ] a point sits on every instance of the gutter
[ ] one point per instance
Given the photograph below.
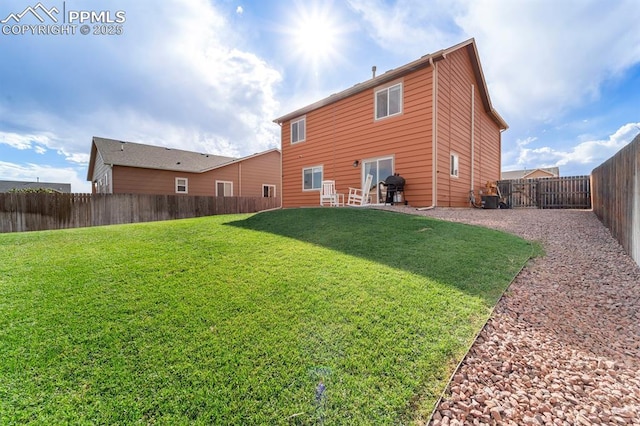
(473, 132)
(434, 139)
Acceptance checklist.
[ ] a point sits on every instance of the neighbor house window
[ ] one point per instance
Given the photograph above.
(389, 101)
(224, 188)
(269, 191)
(311, 178)
(454, 165)
(182, 185)
(298, 130)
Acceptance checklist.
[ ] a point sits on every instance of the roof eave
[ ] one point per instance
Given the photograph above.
(422, 62)
(390, 75)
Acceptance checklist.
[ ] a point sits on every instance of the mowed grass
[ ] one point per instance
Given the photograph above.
(303, 316)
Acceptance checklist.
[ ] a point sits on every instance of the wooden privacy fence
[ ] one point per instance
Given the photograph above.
(572, 192)
(616, 196)
(35, 212)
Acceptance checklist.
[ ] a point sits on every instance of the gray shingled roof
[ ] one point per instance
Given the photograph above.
(130, 154)
(8, 185)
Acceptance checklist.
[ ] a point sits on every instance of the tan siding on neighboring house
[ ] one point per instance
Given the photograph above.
(133, 180)
(248, 176)
(230, 173)
(258, 171)
(539, 174)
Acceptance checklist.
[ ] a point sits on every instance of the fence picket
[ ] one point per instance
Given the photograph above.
(616, 196)
(35, 212)
(571, 192)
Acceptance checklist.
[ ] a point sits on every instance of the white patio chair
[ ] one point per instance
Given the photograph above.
(360, 197)
(328, 194)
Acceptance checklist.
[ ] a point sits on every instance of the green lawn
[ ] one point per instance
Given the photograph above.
(302, 316)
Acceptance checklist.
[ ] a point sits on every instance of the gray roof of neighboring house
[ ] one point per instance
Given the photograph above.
(520, 174)
(130, 154)
(8, 185)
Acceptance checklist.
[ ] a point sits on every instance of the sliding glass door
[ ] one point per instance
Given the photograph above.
(380, 168)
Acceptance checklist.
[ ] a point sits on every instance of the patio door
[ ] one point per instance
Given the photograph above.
(380, 168)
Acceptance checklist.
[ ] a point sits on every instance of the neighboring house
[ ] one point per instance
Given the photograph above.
(532, 173)
(430, 120)
(10, 185)
(133, 168)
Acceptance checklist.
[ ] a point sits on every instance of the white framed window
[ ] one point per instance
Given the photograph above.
(268, 191)
(311, 178)
(224, 188)
(298, 130)
(454, 167)
(388, 101)
(182, 185)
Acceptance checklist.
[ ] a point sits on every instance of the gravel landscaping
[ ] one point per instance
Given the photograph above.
(563, 344)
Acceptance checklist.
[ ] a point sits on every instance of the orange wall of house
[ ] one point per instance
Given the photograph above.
(454, 132)
(344, 131)
(247, 177)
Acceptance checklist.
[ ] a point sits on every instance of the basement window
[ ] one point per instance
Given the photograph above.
(182, 186)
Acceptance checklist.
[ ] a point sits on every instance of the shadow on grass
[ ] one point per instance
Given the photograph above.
(478, 261)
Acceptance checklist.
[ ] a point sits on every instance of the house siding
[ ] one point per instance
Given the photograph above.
(134, 180)
(345, 131)
(101, 181)
(444, 102)
(456, 81)
(247, 175)
(257, 171)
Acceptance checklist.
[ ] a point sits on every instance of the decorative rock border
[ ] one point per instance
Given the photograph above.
(563, 344)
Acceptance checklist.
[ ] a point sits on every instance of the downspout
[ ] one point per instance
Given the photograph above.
(281, 177)
(434, 138)
(473, 132)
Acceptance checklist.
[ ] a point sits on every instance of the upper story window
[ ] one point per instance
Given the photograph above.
(298, 130)
(182, 186)
(311, 178)
(454, 165)
(389, 101)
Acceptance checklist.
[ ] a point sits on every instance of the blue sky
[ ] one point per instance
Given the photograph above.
(210, 76)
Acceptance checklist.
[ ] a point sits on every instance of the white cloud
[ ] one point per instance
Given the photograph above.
(591, 152)
(542, 57)
(410, 27)
(25, 141)
(179, 79)
(239, 10)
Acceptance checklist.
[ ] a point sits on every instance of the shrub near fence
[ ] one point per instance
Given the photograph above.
(36, 212)
(616, 196)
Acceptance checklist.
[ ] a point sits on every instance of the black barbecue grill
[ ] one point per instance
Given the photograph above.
(395, 188)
